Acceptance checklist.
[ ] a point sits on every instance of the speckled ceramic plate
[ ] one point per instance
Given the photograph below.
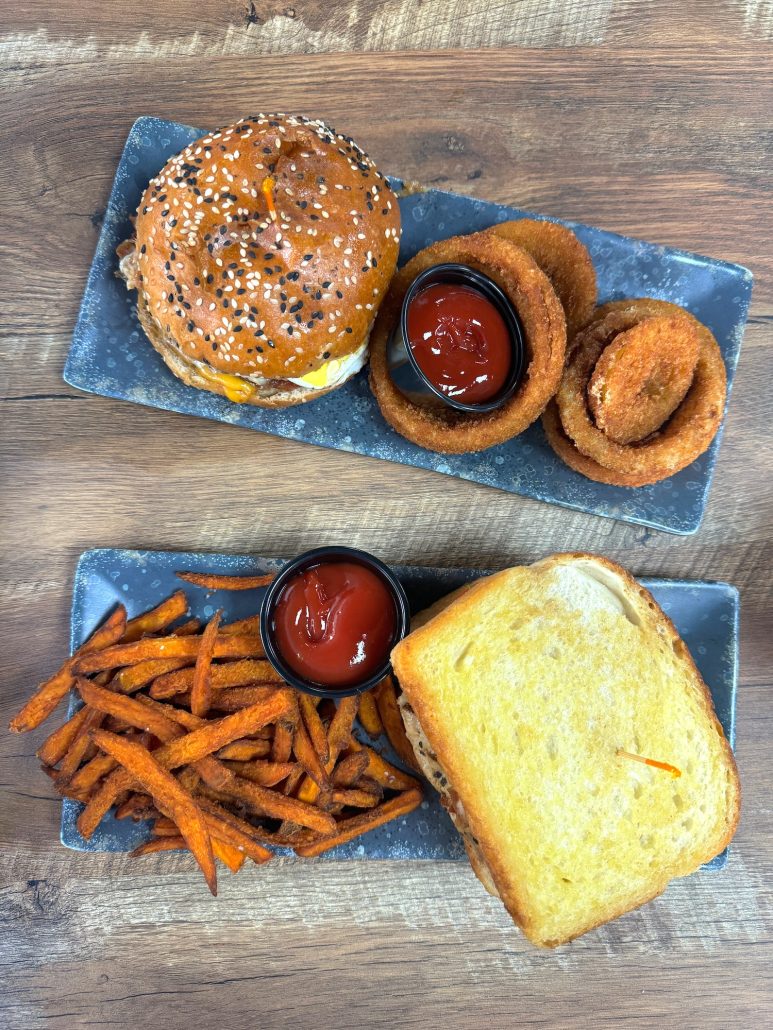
(110, 355)
(706, 615)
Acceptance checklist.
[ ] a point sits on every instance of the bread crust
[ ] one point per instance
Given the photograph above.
(443, 748)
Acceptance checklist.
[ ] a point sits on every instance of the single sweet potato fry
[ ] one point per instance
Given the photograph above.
(156, 619)
(389, 710)
(340, 730)
(249, 627)
(201, 688)
(55, 747)
(168, 795)
(189, 627)
(236, 698)
(49, 694)
(245, 750)
(282, 746)
(135, 677)
(213, 581)
(231, 674)
(314, 726)
(355, 798)
(85, 779)
(165, 647)
(381, 771)
(267, 774)
(156, 844)
(307, 755)
(369, 717)
(229, 854)
(164, 827)
(268, 803)
(349, 769)
(352, 827)
(136, 807)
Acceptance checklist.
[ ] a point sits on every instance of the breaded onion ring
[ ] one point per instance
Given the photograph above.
(643, 376)
(685, 436)
(427, 421)
(563, 259)
(566, 450)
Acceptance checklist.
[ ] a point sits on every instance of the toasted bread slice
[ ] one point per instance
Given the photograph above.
(521, 696)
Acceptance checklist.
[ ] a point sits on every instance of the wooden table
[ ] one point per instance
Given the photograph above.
(652, 119)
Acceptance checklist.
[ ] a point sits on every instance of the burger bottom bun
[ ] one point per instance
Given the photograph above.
(266, 395)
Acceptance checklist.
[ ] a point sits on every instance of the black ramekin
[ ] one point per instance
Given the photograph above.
(460, 275)
(316, 557)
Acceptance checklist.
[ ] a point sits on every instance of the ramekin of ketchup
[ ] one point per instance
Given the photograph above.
(462, 337)
(330, 619)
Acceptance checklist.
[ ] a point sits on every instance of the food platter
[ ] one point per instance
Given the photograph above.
(705, 614)
(111, 357)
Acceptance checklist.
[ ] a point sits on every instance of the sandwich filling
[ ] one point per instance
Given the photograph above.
(433, 771)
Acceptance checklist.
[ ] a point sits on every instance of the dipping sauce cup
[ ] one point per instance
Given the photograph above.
(330, 619)
(459, 338)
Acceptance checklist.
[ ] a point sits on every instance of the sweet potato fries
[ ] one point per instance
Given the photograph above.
(190, 727)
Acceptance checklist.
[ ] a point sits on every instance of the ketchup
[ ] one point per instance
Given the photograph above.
(460, 341)
(334, 623)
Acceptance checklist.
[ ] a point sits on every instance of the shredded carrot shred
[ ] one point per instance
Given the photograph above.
(650, 761)
(267, 188)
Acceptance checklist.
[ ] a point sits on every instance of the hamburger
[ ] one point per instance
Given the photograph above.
(260, 257)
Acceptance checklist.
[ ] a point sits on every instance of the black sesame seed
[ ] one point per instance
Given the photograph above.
(349, 329)
(339, 295)
(296, 307)
(238, 328)
(326, 355)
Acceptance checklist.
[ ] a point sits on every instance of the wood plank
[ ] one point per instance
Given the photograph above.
(146, 32)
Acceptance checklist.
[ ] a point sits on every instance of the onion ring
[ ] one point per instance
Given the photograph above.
(566, 450)
(642, 377)
(427, 421)
(686, 435)
(563, 259)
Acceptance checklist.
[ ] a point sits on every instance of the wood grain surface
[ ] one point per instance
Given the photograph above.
(652, 119)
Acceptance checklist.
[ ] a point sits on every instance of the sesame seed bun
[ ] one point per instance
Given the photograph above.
(262, 252)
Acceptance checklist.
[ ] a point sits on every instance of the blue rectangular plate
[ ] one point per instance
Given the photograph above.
(705, 614)
(110, 355)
